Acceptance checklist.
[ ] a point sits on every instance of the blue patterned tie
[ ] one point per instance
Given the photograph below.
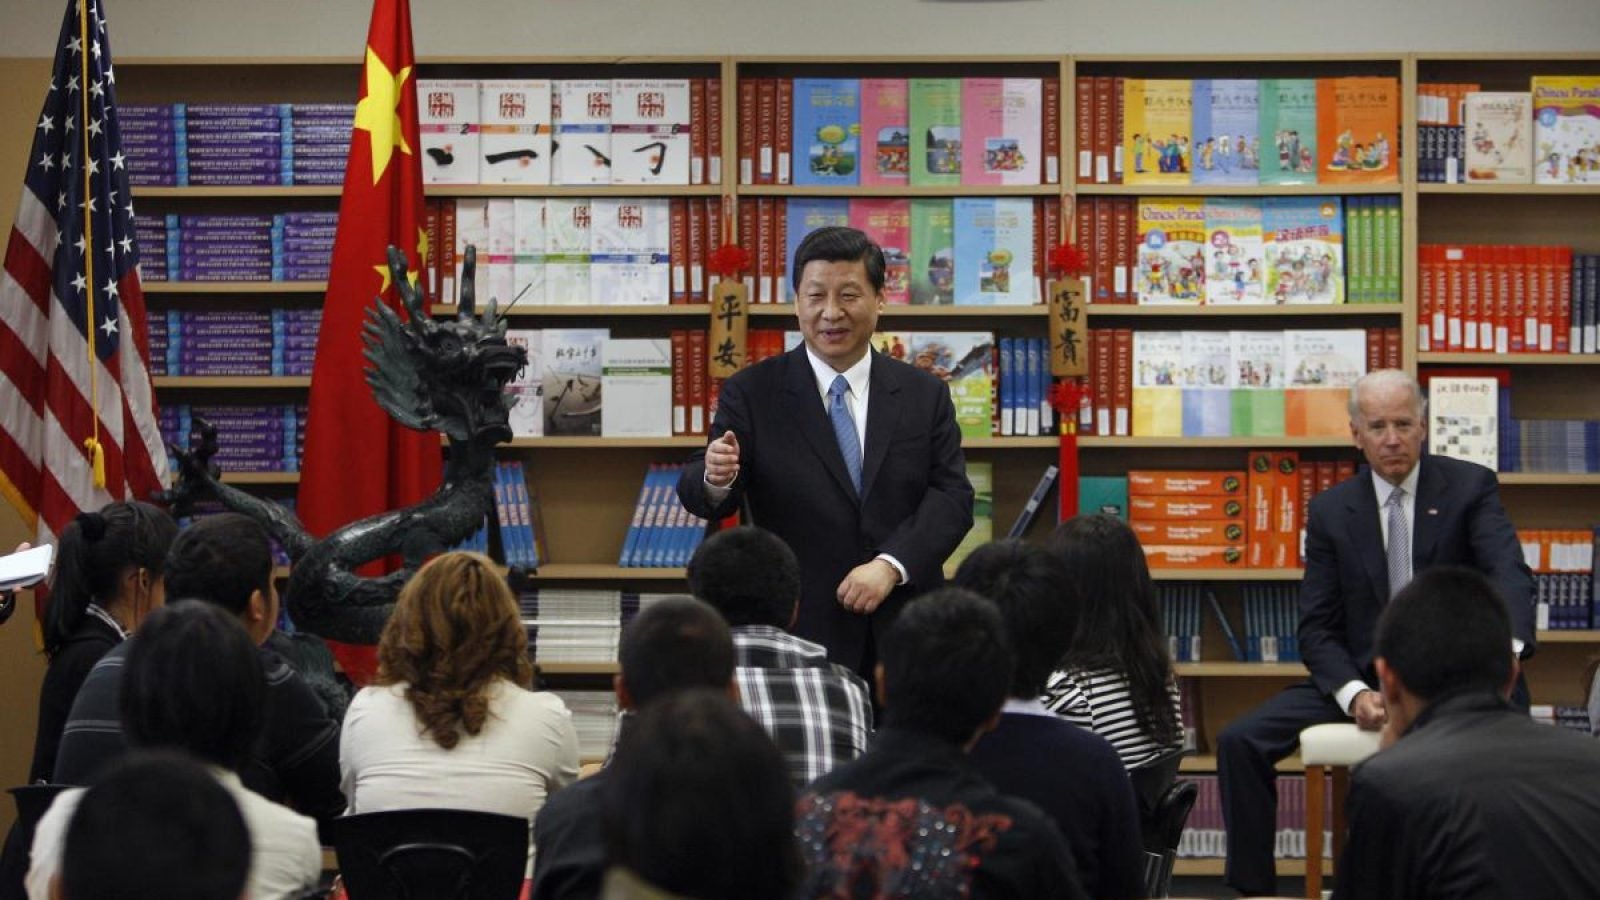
(844, 429)
(1399, 550)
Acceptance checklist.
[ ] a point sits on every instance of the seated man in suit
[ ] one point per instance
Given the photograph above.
(1403, 513)
(1471, 798)
(818, 713)
(854, 459)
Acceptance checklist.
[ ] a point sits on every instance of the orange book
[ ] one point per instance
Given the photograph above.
(1258, 500)
(1358, 124)
(1181, 556)
(1549, 310)
(1285, 546)
(1500, 295)
(1202, 484)
(1524, 294)
(1424, 298)
(1164, 508)
(1213, 532)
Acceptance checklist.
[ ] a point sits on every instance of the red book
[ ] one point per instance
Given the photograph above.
(1343, 470)
(766, 130)
(1558, 263)
(1523, 297)
(1083, 227)
(1122, 387)
(1124, 240)
(1039, 274)
(749, 239)
(1116, 130)
(697, 381)
(746, 118)
(697, 131)
(1104, 252)
(680, 380)
(713, 130)
(678, 247)
(783, 138)
(771, 250)
(1100, 379)
(447, 251)
(1050, 140)
(1050, 215)
(1327, 476)
(1471, 297)
(1393, 352)
(780, 246)
(1549, 300)
(431, 216)
(1425, 276)
(695, 264)
(1103, 140)
(1083, 130)
(1500, 289)
(1454, 278)
(1374, 348)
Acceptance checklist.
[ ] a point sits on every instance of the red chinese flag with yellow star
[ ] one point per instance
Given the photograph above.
(359, 462)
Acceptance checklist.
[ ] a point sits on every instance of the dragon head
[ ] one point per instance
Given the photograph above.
(442, 375)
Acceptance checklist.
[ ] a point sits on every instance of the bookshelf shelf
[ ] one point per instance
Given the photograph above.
(603, 572)
(1569, 637)
(1224, 669)
(577, 668)
(1118, 311)
(254, 191)
(572, 190)
(1207, 762)
(1233, 190)
(235, 287)
(786, 310)
(587, 310)
(966, 190)
(1227, 574)
(231, 382)
(1530, 190)
(260, 477)
(690, 441)
(1510, 359)
(1563, 479)
(1213, 867)
(1243, 443)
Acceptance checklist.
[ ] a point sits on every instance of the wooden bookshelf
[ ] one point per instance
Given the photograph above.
(1220, 669)
(587, 310)
(1510, 359)
(230, 382)
(253, 478)
(234, 287)
(1119, 311)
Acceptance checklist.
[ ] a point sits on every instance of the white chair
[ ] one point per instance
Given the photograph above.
(1335, 747)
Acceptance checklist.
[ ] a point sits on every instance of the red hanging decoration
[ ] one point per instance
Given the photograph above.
(728, 261)
(1066, 397)
(1068, 260)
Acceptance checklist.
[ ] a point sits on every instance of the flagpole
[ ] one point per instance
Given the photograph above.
(97, 453)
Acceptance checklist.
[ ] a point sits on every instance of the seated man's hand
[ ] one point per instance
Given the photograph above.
(866, 586)
(1369, 711)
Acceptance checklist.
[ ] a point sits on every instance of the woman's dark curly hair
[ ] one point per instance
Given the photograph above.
(455, 629)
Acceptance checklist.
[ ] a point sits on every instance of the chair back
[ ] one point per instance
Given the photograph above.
(1163, 831)
(431, 854)
(1151, 780)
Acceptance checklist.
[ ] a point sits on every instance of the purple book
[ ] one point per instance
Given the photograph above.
(137, 178)
(304, 258)
(329, 109)
(221, 369)
(311, 164)
(210, 154)
(225, 315)
(309, 218)
(228, 110)
(259, 179)
(206, 168)
(213, 255)
(276, 410)
(204, 221)
(306, 244)
(223, 276)
(317, 178)
(307, 273)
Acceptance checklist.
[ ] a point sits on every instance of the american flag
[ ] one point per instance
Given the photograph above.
(73, 342)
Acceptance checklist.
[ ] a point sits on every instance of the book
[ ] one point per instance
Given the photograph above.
(526, 387)
(1170, 267)
(1030, 509)
(1103, 495)
(1566, 129)
(1203, 378)
(993, 251)
(1233, 229)
(1000, 123)
(963, 360)
(497, 258)
(1157, 117)
(885, 132)
(1322, 365)
(572, 359)
(628, 238)
(650, 131)
(804, 215)
(582, 153)
(1499, 132)
(935, 116)
(1288, 125)
(1358, 118)
(933, 253)
(1463, 418)
(887, 221)
(1256, 383)
(515, 131)
(981, 476)
(1227, 139)
(568, 224)
(827, 131)
(527, 248)
(636, 381)
(1157, 394)
(447, 122)
(1304, 249)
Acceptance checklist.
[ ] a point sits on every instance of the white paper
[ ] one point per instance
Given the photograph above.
(25, 567)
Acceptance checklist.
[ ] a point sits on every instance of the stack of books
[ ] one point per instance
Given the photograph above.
(662, 533)
(250, 438)
(233, 342)
(183, 144)
(293, 246)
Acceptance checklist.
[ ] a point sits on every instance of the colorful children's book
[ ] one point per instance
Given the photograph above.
(583, 132)
(1235, 273)
(887, 221)
(803, 216)
(1000, 128)
(1203, 378)
(1227, 140)
(1499, 131)
(1566, 129)
(933, 253)
(1157, 394)
(885, 132)
(572, 360)
(1358, 121)
(527, 386)
(628, 243)
(1304, 249)
(827, 131)
(1171, 266)
(636, 377)
(650, 131)
(1256, 380)
(965, 361)
(447, 118)
(1322, 365)
(515, 134)
(994, 251)
(567, 226)
(1289, 131)
(935, 105)
(1156, 122)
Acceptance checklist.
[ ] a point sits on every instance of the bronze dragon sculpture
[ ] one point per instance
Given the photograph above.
(429, 375)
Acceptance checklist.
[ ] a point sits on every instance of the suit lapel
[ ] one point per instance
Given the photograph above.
(883, 415)
(1366, 533)
(1432, 496)
(803, 406)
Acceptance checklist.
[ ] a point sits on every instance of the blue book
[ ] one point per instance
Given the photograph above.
(1011, 371)
(994, 251)
(1037, 400)
(805, 215)
(630, 542)
(827, 131)
(1227, 135)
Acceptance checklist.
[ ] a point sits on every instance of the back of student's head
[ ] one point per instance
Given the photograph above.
(749, 575)
(95, 553)
(697, 802)
(156, 826)
(947, 664)
(193, 682)
(221, 559)
(1447, 630)
(674, 644)
(1037, 600)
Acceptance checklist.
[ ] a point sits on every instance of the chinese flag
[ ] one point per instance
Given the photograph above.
(357, 460)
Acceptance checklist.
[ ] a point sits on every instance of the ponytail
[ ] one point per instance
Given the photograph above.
(93, 553)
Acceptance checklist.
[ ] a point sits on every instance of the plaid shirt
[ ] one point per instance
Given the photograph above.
(816, 711)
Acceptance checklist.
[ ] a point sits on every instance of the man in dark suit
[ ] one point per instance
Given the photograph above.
(852, 458)
(1403, 513)
(1470, 798)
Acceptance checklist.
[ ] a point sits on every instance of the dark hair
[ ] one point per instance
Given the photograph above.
(156, 826)
(221, 559)
(1037, 600)
(697, 802)
(674, 644)
(1119, 625)
(193, 680)
(1447, 631)
(749, 575)
(95, 551)
(946, 665)
(838, 243)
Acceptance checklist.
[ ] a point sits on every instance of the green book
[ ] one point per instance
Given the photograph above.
(935, 131)
(1257, 382)
(1288, 131)
(933, 251)
(1389, 213)
(981, 475)
(1106, 494)
(1355, 229)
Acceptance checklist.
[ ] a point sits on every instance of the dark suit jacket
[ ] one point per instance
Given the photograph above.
(1458, 521)
(916, 502)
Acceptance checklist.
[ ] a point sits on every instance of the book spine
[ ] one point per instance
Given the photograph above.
(678, 248)
(1122, 387)
(697, 235)
(698, 376)
(1117, 108)
(1050, 131)
(747, 112)
(1083, 129)
(1103, 141)
(1104, 256)
(783, 131)
(698, 138)
(749, 239)
(713, 130)
(679, 339)
(766, 130)
(1124, 239)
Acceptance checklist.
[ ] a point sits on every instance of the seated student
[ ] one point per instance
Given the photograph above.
(697, 803)
(913, 817)
(225, 560)
(1471, 798)
(1071, 774)
(157, 826)
(450, 721)
(193, 682)
(1116, 678)
(672, 645)
(818, 713)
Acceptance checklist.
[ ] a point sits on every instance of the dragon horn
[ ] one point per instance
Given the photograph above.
(469, 290)
(409, 293)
